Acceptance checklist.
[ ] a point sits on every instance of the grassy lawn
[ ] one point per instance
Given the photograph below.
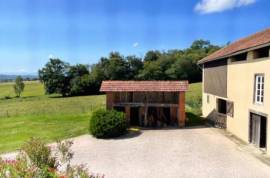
(53, 117)
(194, 98)
(194, 104)
(38, 115)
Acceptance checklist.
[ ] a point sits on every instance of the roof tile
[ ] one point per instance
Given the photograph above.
(144, 86)
(257, 39)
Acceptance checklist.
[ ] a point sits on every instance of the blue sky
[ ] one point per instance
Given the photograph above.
(81, 31)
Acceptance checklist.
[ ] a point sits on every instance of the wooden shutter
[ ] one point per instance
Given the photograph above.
(230, 108)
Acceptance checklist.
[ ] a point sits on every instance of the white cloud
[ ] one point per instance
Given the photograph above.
(135, 45)
(51, 56)
(211, 6)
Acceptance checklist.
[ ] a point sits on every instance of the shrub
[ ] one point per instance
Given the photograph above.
(107, 124)
(39, 153)
(26, 164)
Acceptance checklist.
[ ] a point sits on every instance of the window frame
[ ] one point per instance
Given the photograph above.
(259, 85)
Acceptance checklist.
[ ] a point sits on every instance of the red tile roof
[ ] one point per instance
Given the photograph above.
(257, 39)
(144, 86)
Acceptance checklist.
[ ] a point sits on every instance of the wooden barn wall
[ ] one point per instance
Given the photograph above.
(215, 78)
(143, 97)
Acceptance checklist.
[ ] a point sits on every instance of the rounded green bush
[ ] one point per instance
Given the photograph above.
(107, 123)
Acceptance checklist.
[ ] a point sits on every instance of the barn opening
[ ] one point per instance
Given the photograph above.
(258, 130)
(148, 103)
(134, 116)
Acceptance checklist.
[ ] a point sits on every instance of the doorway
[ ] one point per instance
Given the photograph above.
(134, 116)
(258, 130)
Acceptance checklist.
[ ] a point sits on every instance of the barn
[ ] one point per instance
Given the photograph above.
(148, 103)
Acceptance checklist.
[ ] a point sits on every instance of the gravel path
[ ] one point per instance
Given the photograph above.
(197, 152)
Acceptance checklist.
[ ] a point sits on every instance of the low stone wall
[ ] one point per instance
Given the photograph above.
(217, 120)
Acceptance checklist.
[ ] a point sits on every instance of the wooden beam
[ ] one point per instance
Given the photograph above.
(127, 112)
(173, 115)
(145, 115)
(181, 110)
(109, 100)
(148, 104)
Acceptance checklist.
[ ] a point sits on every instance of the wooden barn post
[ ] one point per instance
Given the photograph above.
(127, 113)
(109, 100)
(181, 109)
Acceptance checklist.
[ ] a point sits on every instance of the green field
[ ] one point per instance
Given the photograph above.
(38, 115)
(53, 117)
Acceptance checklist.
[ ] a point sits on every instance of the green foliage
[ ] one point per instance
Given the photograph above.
(135, 64)
(194, 120)
(82, 86)
(107, 124)
(151, 56)
(33, 162)
(78, 70)
(151, 71)
(39, 153)
(194, 99)
(156, 65)
(54, 76)
(17, 168)
(18, 86)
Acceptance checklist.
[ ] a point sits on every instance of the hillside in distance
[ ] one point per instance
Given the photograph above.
(7, 78)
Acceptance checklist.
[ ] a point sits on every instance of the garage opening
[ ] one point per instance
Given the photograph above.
(258, 130)
(134, 116)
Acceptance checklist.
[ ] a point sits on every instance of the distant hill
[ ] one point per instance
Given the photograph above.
(7, 78)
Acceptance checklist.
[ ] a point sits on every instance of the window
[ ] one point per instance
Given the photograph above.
(222, 106)
(261, 53)
(259, 89)
(239, 57)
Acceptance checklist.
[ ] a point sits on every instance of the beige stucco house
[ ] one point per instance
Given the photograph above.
(236, 89)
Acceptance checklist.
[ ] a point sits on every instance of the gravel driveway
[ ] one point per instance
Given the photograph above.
(197, 152)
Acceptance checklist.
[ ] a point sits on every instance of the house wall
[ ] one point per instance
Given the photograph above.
(240, 90)
(241, 76)
(215, 78)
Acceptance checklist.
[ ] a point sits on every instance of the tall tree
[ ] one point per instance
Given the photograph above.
(19, 86)
(152, 56)
(135, 64)
(116, 67)
(78, 70)
(55, 77)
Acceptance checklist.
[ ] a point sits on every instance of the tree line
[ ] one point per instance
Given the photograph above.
(71, 80)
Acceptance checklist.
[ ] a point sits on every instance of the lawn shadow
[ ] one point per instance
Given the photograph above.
(17, 97)
(131, 133)
(26, 97)
(72, 96)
